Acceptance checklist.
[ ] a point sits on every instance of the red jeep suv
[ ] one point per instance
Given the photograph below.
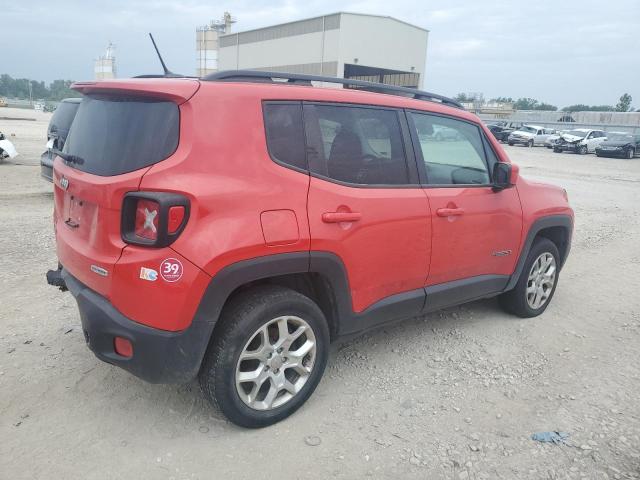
(230, 227)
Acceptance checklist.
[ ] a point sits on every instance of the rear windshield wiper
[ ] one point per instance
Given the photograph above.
(68, 157)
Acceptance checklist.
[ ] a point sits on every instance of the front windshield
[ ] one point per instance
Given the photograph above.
(529, 129)
(620, 137)
(577, 133)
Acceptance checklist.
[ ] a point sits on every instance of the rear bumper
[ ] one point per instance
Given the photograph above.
(159, 356)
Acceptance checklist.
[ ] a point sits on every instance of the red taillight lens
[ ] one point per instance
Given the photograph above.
(176, 216)
(147, 218)
(123, 347)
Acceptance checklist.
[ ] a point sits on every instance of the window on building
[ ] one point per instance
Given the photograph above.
(355, 145)
(452, 150)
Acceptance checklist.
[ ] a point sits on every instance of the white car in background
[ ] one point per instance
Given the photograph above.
(579, 140)
(530, 135)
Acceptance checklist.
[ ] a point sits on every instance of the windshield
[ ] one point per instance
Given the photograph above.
(620, 137)
(115, 135)
(529, 129)
(577, 133)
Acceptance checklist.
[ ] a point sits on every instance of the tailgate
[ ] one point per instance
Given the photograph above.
(87, 222)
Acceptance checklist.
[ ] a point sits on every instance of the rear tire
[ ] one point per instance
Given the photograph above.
(257, 335)
(537, 283)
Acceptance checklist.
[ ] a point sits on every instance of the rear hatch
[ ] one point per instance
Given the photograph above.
(120, 130)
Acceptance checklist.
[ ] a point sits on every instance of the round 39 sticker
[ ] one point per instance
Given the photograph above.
(171, 270)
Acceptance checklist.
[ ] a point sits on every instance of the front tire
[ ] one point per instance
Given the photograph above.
(537, 283)
(582, 150)
(631, 153)
(267, 356)
(530, 143)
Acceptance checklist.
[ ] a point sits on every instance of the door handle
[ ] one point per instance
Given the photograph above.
(449, 212)
(340, 217)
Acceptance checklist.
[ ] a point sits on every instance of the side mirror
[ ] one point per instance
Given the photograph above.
(505, 175)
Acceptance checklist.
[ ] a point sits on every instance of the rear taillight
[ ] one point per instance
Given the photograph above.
(153, 219)
(147, 219)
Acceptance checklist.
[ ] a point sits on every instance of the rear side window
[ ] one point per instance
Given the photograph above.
(355, 145)
(285, 133)
(115, 135)
(452, 150)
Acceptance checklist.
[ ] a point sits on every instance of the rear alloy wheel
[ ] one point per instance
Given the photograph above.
(537, 283)
(631, 153)
(266, 357)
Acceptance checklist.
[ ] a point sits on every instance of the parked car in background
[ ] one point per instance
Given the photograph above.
(553, 138)
(57, 132)
(580, 140)
(7, 150)
(619, 144)
(530, 135)
(441, 133)
(501, 130)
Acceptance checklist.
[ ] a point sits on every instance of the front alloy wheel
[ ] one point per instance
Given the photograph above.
(276, 363)
(542, 278)
(537, 282)
(630, 153)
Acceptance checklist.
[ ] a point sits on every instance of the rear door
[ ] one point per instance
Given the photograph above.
(365, 202)
(476, 231)
(112, 143)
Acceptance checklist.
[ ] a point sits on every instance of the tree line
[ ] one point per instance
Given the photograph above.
(525, 103)
(19, 88)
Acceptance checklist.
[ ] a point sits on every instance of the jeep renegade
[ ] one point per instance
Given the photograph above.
(230, 227)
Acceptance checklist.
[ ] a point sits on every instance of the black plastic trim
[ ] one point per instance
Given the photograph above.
(159, 356)
(465, 290)
(563, 221)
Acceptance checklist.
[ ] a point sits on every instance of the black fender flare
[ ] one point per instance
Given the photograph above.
(564, 221)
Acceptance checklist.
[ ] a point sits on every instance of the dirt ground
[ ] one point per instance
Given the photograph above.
(456, 394)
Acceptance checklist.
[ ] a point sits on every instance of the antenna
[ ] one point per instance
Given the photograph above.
(167, 72)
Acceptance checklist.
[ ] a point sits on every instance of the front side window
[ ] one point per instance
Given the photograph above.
(458, 159)
(355, 145)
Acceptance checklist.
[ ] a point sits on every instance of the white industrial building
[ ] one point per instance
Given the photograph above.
(344, 45)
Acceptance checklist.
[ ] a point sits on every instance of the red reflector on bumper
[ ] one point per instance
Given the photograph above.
(123, 347)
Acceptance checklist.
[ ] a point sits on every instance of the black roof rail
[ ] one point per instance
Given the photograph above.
(259, 76)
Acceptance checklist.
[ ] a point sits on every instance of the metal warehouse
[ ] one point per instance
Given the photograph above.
(344, 45)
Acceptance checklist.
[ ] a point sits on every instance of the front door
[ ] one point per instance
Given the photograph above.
(476, 231)
(365, 203)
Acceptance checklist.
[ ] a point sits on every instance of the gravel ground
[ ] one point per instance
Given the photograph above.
(456, 394)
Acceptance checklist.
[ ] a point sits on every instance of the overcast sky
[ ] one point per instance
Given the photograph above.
(562, 52)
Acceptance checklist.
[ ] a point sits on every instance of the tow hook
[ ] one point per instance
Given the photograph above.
(54, 277)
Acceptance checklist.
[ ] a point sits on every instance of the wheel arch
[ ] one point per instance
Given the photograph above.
(320, 276)
(557, 228)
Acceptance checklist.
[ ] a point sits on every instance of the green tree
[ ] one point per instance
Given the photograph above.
(624, 105)
(463, 97)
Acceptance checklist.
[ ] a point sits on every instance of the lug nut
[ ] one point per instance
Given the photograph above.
(277, 370)
(266, 368)
(280, 350)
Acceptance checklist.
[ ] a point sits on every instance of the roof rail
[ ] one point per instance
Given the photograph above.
(258, 76)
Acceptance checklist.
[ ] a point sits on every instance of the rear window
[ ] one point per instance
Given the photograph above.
(115, 135)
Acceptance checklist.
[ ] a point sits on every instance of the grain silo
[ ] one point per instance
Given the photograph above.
(105, 66)
(207, 44)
